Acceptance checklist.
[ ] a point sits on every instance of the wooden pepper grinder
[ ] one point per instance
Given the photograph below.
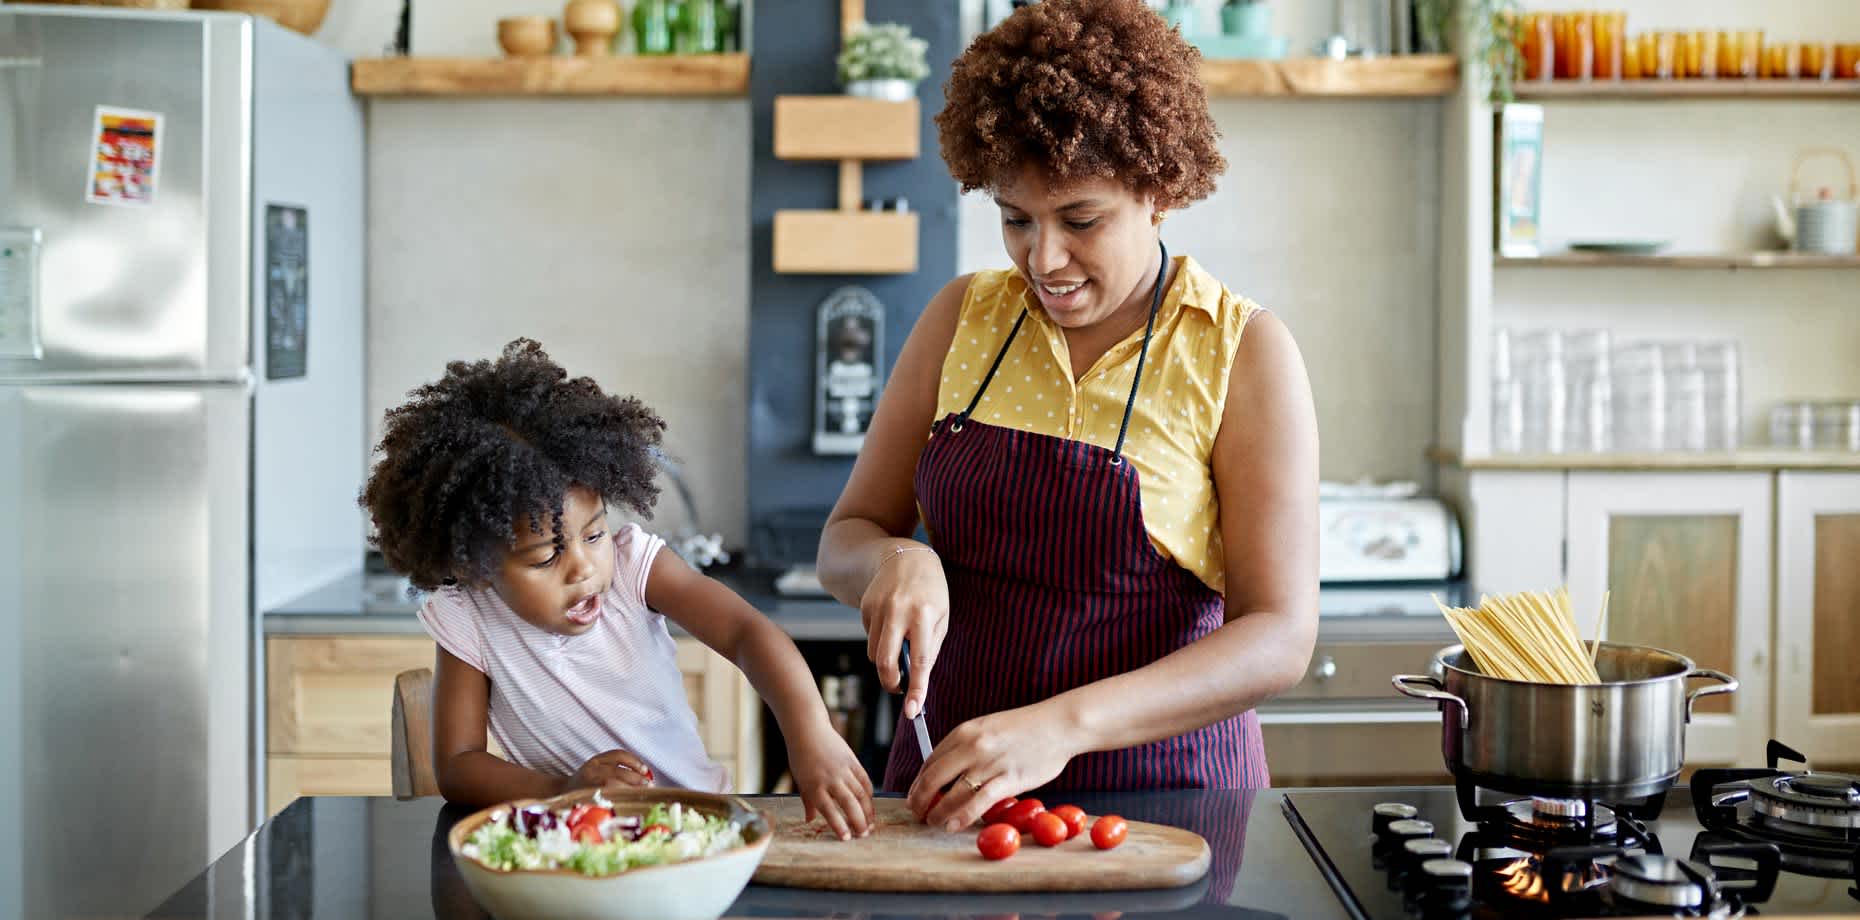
(593, 24)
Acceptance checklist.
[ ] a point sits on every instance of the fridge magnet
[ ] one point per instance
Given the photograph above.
(125, 157)
(1518, 197)
(287, 290)
(848, 362)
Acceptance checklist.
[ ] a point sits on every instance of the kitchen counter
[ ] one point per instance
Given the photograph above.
(354, 858)
(363, 604)
(373, 604)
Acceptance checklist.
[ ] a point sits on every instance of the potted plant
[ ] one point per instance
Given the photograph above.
(883, 61)
(1490, 28)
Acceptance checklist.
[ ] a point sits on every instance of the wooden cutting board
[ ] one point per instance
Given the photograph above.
(904, 855)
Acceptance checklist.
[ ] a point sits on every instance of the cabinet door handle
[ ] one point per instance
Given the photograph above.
(1325, 669)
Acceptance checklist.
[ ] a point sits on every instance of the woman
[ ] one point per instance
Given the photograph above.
(1119, 486)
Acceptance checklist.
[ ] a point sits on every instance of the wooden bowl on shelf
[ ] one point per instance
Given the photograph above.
(305, 16)
(527, 36)
(593, 25)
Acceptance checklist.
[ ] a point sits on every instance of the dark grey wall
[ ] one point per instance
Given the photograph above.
(795, 42)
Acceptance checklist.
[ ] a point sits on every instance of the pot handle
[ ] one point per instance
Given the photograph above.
(1727, 683)
(1430, 689)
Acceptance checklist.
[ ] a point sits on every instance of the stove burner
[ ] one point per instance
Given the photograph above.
(1662, 881)
(1556, 820)
(1816, 799)
(1813, 818)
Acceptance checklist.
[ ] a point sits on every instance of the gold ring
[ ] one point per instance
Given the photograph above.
(973, 785)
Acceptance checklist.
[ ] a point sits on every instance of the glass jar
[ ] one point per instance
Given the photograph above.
(652, 27)
(1792, 426)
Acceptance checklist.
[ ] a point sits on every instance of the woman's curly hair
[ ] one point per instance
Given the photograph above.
(493, 442)
(1082, 89)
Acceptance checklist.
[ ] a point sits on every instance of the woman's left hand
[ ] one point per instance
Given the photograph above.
(989, 759)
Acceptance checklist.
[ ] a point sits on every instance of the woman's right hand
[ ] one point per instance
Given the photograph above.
(908, 598)
(611, 767)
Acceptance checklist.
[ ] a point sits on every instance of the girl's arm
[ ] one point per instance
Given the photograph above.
(470, 775)
(832, 782)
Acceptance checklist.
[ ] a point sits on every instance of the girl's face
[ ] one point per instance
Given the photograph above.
(1085, 248)
(559, 591)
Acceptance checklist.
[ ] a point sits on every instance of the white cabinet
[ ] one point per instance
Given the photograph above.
(1818, 615)
(1685, 559)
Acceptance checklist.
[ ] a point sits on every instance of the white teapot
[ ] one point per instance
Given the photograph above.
(1825, 225)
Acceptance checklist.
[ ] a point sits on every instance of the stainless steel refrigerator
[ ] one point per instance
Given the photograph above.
(181, 430)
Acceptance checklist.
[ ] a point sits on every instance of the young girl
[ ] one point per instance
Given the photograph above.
(491, 494)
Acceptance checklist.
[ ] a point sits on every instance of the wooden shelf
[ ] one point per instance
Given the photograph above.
(1759, 458)
(1417, 75)
(845, 128)
(845, 242)
(626, 75)
(1733, 261)
(1688, 89)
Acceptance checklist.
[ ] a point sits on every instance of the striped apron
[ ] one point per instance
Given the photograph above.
(1054, 584)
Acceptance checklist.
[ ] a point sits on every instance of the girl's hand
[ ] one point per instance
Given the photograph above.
(832, 782)
(611, 767)
(908, 598)
(1004, 753)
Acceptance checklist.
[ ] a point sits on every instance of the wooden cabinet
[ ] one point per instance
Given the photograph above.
(328, 700)
(1685, 559)
(1818, 615)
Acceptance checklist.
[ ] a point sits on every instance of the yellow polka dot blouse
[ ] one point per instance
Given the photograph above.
(1178, 408)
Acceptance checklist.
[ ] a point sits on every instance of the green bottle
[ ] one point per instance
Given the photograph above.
(652, 27)
(701, 35)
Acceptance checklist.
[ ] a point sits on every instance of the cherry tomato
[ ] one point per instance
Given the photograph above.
(1074, 817)
(1108, 832)
(584, 822)
(660, 827)
(588, 832)
(997, 812)
(1021, 815)
(998, 841)
(1049, 829)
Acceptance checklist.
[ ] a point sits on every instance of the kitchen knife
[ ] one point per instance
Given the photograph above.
(917, 724)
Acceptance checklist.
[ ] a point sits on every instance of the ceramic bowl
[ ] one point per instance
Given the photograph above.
(527, 36)
(699, 889)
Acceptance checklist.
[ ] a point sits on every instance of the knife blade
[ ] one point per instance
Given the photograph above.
(923, 736)
(917, 722)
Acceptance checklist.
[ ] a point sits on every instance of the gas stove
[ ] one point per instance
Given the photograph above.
(1759, 842)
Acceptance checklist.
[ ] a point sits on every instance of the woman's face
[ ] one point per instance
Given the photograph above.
(1087, 248)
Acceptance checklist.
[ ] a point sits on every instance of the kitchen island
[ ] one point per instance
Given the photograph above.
(351, 858)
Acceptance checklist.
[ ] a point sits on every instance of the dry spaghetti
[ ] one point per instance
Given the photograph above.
(1529, 636)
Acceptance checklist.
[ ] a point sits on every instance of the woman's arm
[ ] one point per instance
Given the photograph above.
(900, 595)
(1265, 469)
(831, 780)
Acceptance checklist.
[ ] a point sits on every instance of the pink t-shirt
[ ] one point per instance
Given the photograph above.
(558, 700)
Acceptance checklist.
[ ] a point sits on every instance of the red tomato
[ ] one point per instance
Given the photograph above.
(997, 812)
(1074, 817)
(1108, 831)
(1049, 829)
(1021, 815)
(998, 841)
(584, 822)
(660, 827)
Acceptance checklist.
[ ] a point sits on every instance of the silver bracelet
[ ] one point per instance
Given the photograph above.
(896, 551)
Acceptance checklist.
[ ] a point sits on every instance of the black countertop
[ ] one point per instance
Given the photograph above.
(355, 858)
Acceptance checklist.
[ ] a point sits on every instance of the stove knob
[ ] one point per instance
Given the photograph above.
(1398, 833)
(1446, 892)
(1388, 812)
(1407, 874)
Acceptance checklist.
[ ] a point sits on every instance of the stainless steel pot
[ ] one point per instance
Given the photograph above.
(1622, 738)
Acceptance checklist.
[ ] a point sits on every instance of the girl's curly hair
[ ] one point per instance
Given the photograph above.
(1082, 89)
(493, 442)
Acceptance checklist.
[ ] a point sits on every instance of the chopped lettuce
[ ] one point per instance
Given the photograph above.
(499, 845)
